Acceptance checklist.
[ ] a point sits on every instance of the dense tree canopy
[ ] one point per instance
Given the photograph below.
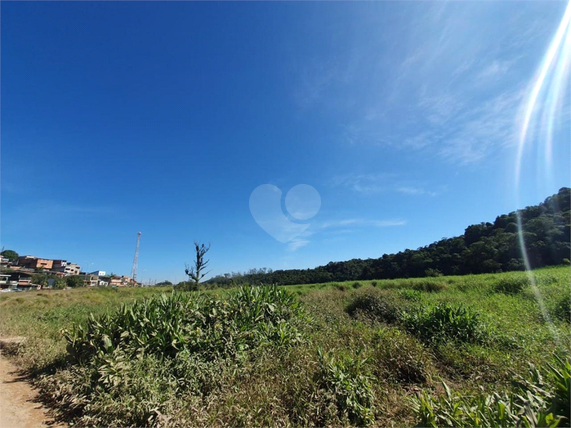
(74, 281)
(10, 255)
(483, 248)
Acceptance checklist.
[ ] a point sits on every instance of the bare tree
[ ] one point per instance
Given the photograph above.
(196, 273)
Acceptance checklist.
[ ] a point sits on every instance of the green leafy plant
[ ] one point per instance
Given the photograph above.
(563, 309)
(530, 403)
(166, 324)
(510, 285)
(429, 286)
(399, 357)
(410, 295)
(380, 306)
(344, 380)
(445, 322)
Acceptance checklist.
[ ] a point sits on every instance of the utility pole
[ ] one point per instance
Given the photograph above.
(136, 259)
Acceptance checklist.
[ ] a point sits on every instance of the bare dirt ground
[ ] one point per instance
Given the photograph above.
(19, 404)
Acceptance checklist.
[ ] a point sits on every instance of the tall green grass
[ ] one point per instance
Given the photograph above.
(532, 402)
(319, 355)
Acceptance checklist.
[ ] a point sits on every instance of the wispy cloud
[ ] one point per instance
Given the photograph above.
(380, 182)
(389, 223)
(362, 222)
(496, 69)
(449, 87)
(339, 226)
(409, 190)
(340, 223)
(297, 243)
(482, 130)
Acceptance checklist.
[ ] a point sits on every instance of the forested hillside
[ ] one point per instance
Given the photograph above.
(483, 248)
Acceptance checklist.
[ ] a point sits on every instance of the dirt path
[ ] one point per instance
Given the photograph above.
(19, 406)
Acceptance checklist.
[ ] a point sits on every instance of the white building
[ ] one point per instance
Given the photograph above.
(98, 273)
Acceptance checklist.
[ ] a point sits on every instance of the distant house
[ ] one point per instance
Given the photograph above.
(59, 265)
(121, 281)
(98, 273)
(115, 281)
(90, 280)
(66, 267)
(4, 280)
(21, 279)
(32, 262)
(96, 278)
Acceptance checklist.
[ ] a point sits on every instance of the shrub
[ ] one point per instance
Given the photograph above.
(432, 272)
(134, 365)
(530, 403)
(429, 286)
(510, 285)
(445, 322)
(546, 279)
(346, 385)
(560, 372)
(382, 307)
(410, 295)
(399, 357)
(563, 309)
(470, 284)
(186, 286)
(167, 324)
(74, 281)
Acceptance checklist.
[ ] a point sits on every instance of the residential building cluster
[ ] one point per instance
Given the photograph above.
(20, 274)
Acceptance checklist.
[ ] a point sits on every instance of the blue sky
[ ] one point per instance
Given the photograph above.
(164, 117)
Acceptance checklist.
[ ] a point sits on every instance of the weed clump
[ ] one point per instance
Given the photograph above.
(345, 385)
(410, 295)
(445, 322)
(131, 365)
(382, 307)
(399, 357)
(563, 309)
(429, 286)
(167, 324)
(531, 402)
(510, 285)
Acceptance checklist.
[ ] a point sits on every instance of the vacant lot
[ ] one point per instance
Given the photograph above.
(459, 351)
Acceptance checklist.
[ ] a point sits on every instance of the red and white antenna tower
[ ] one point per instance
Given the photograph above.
(136, 259)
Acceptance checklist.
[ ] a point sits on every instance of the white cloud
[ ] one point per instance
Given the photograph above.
(377, 183)
(336, 227)
(297, 243)
(495, 69)
(409, 190)
(389, 223)
(339, 223)
(362, 222)
(437, 82)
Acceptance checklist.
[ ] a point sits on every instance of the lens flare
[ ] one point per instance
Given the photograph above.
(540, 114)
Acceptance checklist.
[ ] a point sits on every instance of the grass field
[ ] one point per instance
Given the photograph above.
(446, 351)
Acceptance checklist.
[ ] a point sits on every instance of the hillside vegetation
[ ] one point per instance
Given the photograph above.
(474, 350)
(483, 248)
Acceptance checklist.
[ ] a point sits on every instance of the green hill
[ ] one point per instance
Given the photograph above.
(483, 248)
